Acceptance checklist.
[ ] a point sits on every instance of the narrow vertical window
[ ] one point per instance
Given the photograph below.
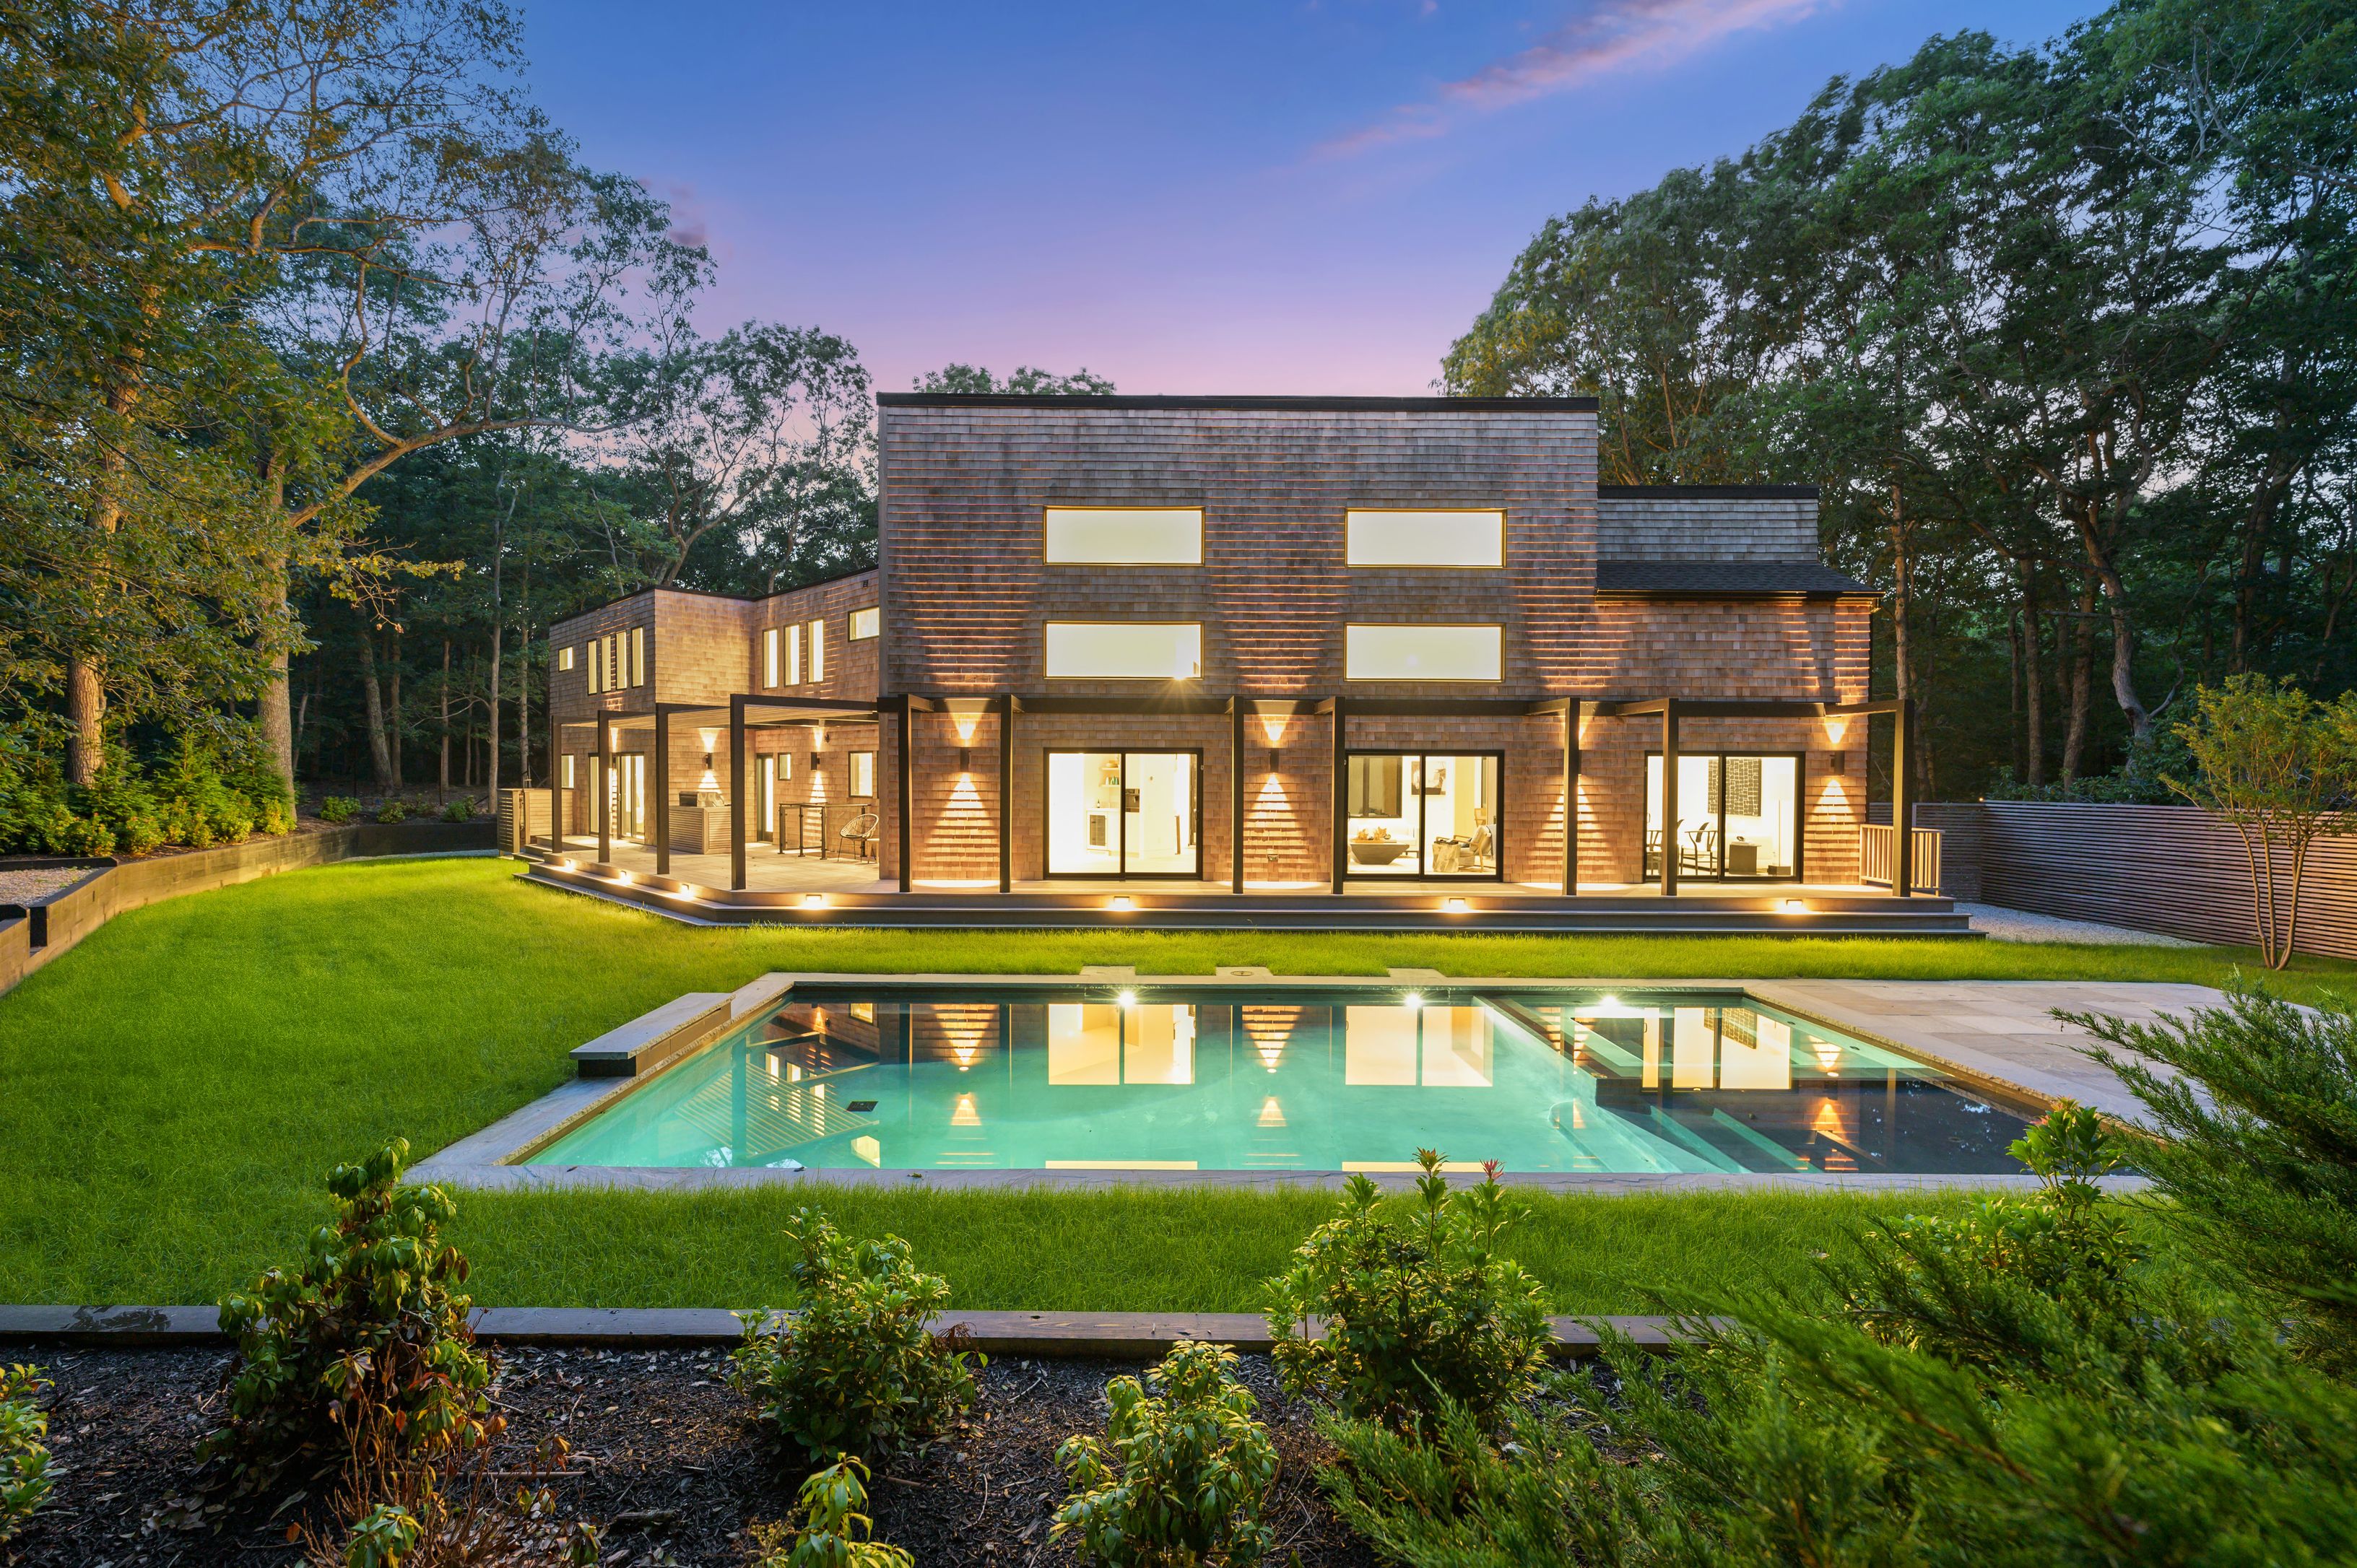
(769, 659)
(568, 770)
(613, 646)
(638, 656)
(817, 651)
(597, 664)
(793, 656)
(863, 775)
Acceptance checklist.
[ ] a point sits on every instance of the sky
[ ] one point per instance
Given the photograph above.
(1301, 196)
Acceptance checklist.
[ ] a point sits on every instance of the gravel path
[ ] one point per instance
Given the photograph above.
(2021, 926)
(28, 884)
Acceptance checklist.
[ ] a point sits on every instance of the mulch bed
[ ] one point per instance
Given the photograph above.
(664, 1455)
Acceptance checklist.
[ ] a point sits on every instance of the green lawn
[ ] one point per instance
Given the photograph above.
(172, 1089)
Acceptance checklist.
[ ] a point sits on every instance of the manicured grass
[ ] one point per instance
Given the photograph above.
(172, 1091)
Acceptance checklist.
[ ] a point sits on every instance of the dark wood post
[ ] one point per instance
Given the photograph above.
(1006, 793)
(605, 788)
(1570, 797)
(736, 793)
(1902, 801)
(1340, 806)
(1669, 799)
(1235, 794)
(663, 792)
(908, 792)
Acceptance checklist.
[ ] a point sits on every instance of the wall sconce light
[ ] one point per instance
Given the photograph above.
(817, 762)
(1271, 759)
(707, 762)
(965, 759)
(1840, 763)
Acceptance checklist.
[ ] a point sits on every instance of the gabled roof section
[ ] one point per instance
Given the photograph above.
(1706, 523)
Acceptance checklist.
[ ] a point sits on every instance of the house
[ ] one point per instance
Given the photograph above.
(1163, 651)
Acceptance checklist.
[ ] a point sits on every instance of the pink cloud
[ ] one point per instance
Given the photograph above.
(1612, 35)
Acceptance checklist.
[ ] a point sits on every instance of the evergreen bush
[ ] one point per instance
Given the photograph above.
(23, 1452)
(394, 810)
(833, 1534)
(461, 809)
(338, 809)
(198, 794)
(365, 1342)
(1419, 1308)
(2015, 1386)
(855, 1370)
(1179, 1480)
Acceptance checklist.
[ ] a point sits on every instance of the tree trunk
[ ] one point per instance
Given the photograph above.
(444, 792)
(277, 716)
(85, 688)
(392, 736)
(2033, 678)
(2082, 674)
(372, 698)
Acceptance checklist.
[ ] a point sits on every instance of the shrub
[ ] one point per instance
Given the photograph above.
(1419, 1309)
(1994, 1389)
(2257, 1147)
(338, 809)
(23, 1456)
(364, 1342)
(834, 1532)
(277, 818)
(393, 811)
(461, 809)
(1179, 1480)
(854, 1371)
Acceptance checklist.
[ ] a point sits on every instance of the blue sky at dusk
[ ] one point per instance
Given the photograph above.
(1217, 197)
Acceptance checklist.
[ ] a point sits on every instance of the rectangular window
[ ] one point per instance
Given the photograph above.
(568, 770)
(1124, 536)
(638, 656)
(817, 651)
(593, 653)
(1423, 653)
(1457, 538)
(793, 636)
(1124, 650)
(613, 646)
(565, 657)
(863, 775)
(1424, 813)
(770, 650)
(865, 623)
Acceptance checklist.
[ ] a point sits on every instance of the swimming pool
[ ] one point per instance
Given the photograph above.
(1169, 1079)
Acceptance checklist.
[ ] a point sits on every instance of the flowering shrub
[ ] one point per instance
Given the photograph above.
(365, 1342)
(1419, 1308)
(1181, 1473)
(855, 1370)
(833, 1531)
(23, 1456)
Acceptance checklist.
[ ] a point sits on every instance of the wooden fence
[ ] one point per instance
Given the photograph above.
(2174, 869)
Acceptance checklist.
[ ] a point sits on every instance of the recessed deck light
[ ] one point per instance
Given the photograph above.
(1413, 999)
(1796, 906)
(813, 900)
(1129, 998)
(1122, 901)
(1454, 905)
(690, 890)
(623, 877)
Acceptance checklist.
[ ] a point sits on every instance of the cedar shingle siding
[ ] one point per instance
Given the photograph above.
(1704, 594)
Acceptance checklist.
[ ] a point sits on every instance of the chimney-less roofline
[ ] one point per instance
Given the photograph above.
(1255, 403)
(1707, 493)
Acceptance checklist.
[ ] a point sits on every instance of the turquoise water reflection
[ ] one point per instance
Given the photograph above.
(1284, 1080)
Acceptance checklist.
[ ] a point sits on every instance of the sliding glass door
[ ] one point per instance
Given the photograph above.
(1431, 814)
(1737, 819)
(1125, 813)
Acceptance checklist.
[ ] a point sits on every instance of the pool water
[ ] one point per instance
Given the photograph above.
(1168, 1080)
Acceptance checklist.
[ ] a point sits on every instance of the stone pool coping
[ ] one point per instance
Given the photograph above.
(1112, 1336)
(2020, 1066)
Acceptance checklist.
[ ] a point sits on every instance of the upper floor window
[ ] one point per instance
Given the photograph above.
(772, 657)
(565, 657)
(594, 651)
(866, 623)
(638, 656)
(1124, 536)
(1433, 537)
(1423, 653)
(1124, 650)
(818, 651)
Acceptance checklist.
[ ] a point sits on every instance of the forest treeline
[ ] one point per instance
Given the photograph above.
(334, 377)
(2068, 336)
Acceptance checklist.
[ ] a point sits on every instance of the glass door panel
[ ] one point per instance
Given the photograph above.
(1459, 796)
(1084, 814)
(628, 800)
(1762, 816)
(1157, 832)
(1384, 808)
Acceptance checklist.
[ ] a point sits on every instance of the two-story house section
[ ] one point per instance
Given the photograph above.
(1244, 653)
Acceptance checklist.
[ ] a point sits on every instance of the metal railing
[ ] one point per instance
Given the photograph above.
(1878, 847)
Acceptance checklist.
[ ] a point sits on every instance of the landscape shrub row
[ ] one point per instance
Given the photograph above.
(198, 793)
(2025, 1382)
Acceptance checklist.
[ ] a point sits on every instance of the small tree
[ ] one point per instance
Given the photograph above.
(2281, 768)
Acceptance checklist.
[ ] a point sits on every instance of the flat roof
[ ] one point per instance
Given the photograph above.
(1707, 493)
(1311, 404)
